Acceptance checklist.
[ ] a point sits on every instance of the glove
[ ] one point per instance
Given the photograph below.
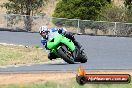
(61, 31)
(43, 41)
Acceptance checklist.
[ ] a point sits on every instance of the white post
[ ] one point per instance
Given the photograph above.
(6, 20)
(115, 28)
(78, 28)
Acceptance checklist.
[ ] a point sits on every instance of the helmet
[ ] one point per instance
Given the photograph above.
(43, 30)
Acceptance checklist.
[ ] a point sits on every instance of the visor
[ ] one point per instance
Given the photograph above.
(43, 33)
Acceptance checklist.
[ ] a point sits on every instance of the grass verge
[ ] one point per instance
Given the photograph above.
(68, 84)
(50, 80)
(12, 55)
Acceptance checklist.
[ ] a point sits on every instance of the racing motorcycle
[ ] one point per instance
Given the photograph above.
(64, 48)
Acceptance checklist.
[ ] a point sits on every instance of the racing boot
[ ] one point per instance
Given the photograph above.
(71, 36)
(52, 56)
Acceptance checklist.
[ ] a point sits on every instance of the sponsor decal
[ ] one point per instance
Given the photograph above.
(82, 77)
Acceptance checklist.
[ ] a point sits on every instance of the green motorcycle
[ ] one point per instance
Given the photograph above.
(64, 48)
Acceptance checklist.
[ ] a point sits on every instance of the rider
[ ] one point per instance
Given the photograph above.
(47, 33)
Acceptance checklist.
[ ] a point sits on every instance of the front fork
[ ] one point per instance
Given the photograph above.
(55, 52)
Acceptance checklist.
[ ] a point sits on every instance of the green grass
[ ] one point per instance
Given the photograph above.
(12, 55)
(69, 84)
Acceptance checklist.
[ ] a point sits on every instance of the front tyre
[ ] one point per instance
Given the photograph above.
(63, 52)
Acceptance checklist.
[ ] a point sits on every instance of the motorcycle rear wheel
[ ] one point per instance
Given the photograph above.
(83, 57)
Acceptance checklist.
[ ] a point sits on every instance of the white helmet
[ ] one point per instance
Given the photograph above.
(43, 29)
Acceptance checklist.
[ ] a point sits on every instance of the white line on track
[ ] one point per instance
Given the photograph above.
(48, 62)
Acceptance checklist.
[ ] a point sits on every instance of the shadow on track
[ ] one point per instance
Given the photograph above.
(61, 63)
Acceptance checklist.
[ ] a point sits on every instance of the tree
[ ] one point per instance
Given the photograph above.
(113, 13)
(24, 7)
(80, 9)
(128, 4)
(109, 1)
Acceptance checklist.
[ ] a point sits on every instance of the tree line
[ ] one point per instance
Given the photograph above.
(78, 9)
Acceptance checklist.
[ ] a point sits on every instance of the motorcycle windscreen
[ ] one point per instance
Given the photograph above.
(54, 41)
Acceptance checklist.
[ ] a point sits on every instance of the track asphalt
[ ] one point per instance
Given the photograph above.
(103, 52)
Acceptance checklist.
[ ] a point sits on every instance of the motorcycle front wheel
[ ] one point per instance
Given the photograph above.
(66, 55)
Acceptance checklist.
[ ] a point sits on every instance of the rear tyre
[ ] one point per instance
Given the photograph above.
(83, 57)
(62, 52)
